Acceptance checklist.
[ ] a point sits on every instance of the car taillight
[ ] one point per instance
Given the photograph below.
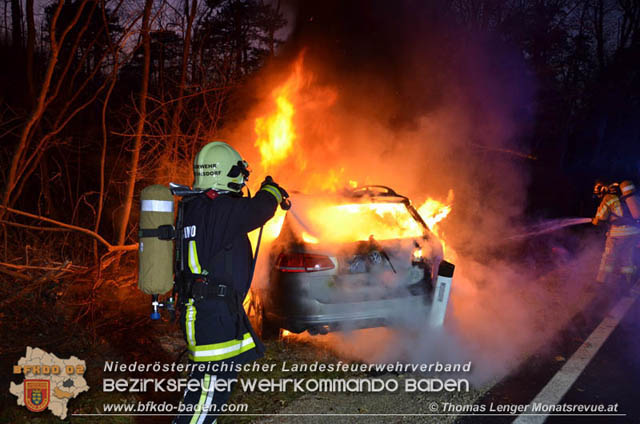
(303, 262)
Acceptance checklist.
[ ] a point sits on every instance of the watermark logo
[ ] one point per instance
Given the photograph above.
(49, 382)
(36, 394)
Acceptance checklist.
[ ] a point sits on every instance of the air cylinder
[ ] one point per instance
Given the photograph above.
(155, 264)
(631, 198)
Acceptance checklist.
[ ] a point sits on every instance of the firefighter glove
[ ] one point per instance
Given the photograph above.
(278, 192)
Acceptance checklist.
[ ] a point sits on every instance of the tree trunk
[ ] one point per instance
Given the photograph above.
(142, 108)
(46, 190)
(25, 136)
(103, 154)
(177, 112)
(272, 33)
(6, 25)
(599, 33)
(16, 24)
(31, 42)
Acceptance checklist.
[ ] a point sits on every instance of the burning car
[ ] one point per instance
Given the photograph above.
(362, 258)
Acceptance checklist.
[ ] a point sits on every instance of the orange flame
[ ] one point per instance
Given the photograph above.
(276, 140)
(276, 132)
(359, 221)
(271, 229)
(433, 211)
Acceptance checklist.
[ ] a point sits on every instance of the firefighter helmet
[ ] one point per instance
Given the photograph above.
(599, 189)
(219, 166)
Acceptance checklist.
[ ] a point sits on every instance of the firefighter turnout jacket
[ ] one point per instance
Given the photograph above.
(622, 237)
(218, 257)
(617, 214)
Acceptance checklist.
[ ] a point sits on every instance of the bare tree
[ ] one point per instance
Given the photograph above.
(36, 114)
(65, 64)
(175, 120)
(16, 24)
(31, 42)
(142, 110)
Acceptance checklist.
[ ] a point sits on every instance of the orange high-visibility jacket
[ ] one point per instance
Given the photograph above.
(611, 210)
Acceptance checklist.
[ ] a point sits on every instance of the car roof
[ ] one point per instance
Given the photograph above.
(365, 194)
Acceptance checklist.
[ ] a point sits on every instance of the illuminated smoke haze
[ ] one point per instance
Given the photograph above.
(425, 105)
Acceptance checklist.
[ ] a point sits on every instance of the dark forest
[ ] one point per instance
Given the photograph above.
(100, 98)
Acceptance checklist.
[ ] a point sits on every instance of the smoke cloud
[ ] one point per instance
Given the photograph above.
(406, 96)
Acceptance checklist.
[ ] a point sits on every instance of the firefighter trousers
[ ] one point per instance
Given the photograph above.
(618, 259)
(203, 405)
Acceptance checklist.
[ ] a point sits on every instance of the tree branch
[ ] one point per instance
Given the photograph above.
(98, 237)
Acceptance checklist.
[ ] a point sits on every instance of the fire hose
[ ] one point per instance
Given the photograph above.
(285, 204)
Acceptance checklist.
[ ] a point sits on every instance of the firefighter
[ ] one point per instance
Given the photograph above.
(218, 272)
(615, 210)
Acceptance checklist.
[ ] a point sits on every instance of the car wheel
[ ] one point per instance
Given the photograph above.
(268, 330)
(262, 325)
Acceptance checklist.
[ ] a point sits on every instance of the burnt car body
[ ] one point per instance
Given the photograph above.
(341, 284)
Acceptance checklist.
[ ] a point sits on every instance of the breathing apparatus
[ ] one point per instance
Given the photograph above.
(631, 198)
(159, 261)
(218, 168)
(628, 197)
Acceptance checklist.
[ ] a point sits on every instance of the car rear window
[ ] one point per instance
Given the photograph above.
(331, 221)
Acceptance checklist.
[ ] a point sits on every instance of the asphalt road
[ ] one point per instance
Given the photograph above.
(612, 376)
(595, 360)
